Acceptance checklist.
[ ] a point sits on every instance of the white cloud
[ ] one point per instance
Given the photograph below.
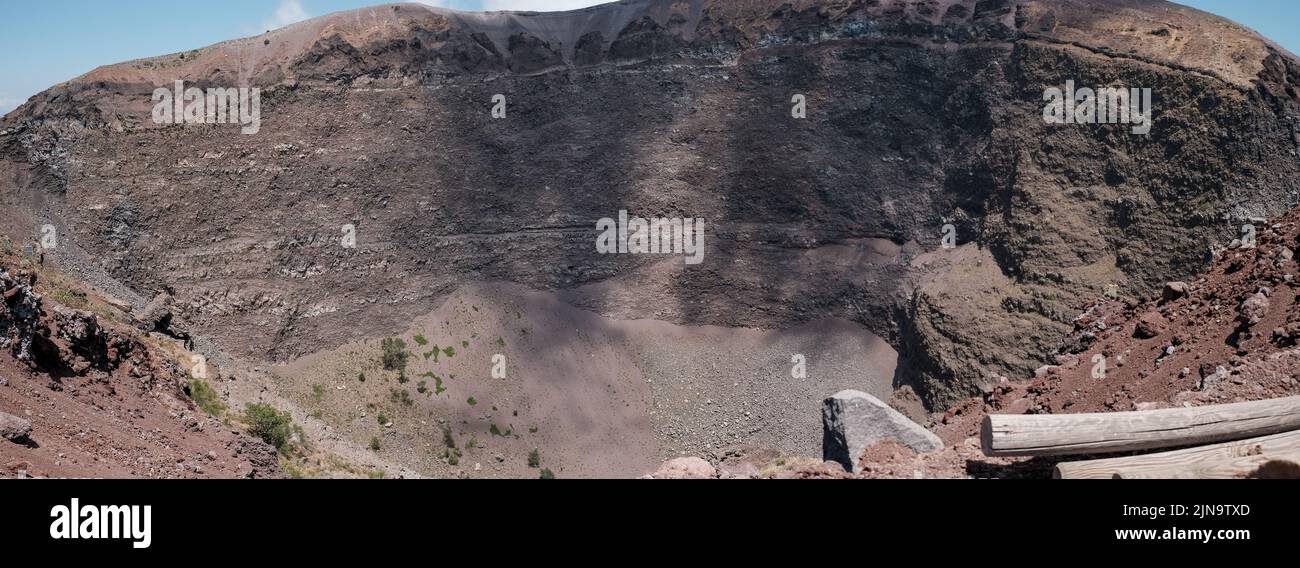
(540, 5)
(288, 12)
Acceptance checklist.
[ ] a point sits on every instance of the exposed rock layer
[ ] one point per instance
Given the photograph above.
(922, 113)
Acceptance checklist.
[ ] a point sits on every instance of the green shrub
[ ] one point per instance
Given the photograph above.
(318, 392)
(400, 396)
(374, 444)
(382, 418)
(271, 425)
(534, 459)
(361, 377)
(547, 474)
(206, 397)
(395, 354)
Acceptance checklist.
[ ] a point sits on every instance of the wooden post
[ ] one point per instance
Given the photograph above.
(1221, 461)
(1097, 433)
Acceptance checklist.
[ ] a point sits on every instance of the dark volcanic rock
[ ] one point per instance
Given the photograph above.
(921, 114)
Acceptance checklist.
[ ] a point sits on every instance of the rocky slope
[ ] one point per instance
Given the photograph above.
(1230, 335)
(83, 393)
(921, 114)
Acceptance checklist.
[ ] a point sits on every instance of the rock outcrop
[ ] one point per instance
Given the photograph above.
(685, 468)
(920, 116)
(13, 428)
(854, 420)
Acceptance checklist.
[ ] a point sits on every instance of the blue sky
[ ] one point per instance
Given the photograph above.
(46, 42)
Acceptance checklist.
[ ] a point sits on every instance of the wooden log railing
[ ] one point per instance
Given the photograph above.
(1220, 461)
(1098, 433)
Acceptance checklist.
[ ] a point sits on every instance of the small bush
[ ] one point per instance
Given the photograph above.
(395, 354)
(361, 377)
(547, 474)
(318, 392)
(472, 401)
(382, 418)
(271, 425)
(401, 396)
(374, 444)
(534, 459)
(206, 397)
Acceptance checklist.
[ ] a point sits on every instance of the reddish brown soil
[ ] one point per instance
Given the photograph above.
(1209, 327)
(110, 407)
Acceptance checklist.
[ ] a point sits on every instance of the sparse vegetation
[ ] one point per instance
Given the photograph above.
(72, 298)
(401, 396)
(361, 377)
(382, 419)
(547, 474)
(472, 401)
(501, 342)
(318, 392)
(420, 340)
(395, 354)
(206, 397)
(374, 444)
(422, 387)
(272, 426)
(452, 454)
(535, 459)
(295, 470)
(449, 351)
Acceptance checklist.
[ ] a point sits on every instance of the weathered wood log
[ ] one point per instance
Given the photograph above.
(1229, 460)
(1098, 433)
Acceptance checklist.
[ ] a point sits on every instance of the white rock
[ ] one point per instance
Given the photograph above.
(854, 420)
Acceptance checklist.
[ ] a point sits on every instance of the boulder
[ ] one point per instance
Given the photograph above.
(1150, 325)
(853, 420)
(685, 468)
(739, 470)
(1254, 309)
(13, 428)
(1174, 291)
(158, 314)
